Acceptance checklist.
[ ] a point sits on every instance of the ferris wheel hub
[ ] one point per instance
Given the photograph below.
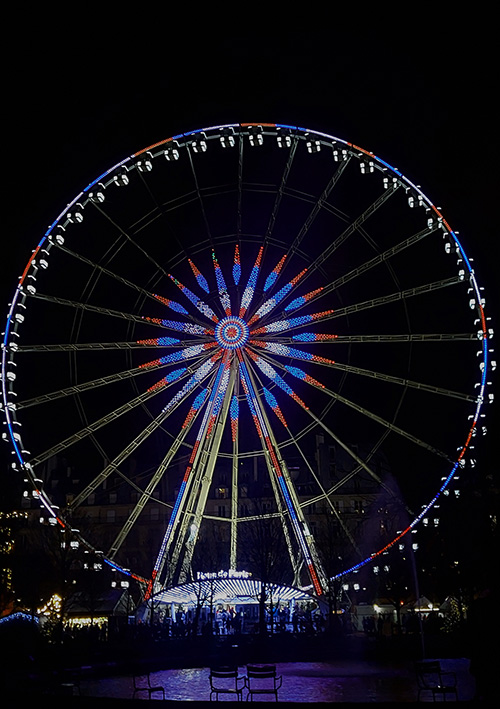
(232, 332)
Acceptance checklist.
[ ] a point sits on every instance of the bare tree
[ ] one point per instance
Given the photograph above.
(265, 555)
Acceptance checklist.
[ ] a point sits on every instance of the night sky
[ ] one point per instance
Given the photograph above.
(426, 104)
(426, 109)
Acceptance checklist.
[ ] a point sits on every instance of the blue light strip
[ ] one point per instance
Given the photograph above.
(186, 353)
(195, 379)
(270, 304)
(221, 285)
(205, 309)
(200, 278)
(187, 327)
(236, 266)
(250, 288)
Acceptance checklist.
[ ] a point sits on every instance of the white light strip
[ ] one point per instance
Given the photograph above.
(241, 591)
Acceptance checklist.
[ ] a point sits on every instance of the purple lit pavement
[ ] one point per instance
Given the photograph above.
(303, 682)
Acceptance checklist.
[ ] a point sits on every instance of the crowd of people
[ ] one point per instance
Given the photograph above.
(226, 620)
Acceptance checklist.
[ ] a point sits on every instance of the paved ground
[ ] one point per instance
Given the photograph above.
(303, 682)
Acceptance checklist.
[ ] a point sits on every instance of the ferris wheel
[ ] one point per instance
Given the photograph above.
(240, 303)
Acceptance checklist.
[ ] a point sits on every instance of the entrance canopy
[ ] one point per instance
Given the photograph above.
(230, 590)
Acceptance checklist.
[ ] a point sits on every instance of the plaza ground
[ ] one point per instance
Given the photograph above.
(354, 669)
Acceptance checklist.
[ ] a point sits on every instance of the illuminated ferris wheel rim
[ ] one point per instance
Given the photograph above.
(238, 331)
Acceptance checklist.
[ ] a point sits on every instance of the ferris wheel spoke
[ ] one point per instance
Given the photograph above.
(324, 495)
(147, 493)
(287, 323)
(386, 299)
(301, 375)
(102, 381)
(278, 348)
(403, 337)
(250, 393)
(239, 187)
(106, 271)
(361, 463)
(124, 233)
(387, 424)
(203, 474)
(100, 346)
(319, 204)
(84, 386)
(187, 327)
(235, 433)
(317, 338)
(399, 295)
(200, 197)
(302, 196)
(157, 322)
(108, 418)
(173, 305)
(212, 408)
(160, 209)
(351, 229)
(299, 526)
(402, 381)
(372, 263)
(281, 189)
(195, 380)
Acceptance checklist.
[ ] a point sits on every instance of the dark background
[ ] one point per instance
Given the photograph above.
(421, 95)
(76, 104)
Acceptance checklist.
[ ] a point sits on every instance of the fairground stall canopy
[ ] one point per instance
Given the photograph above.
(225, 589)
